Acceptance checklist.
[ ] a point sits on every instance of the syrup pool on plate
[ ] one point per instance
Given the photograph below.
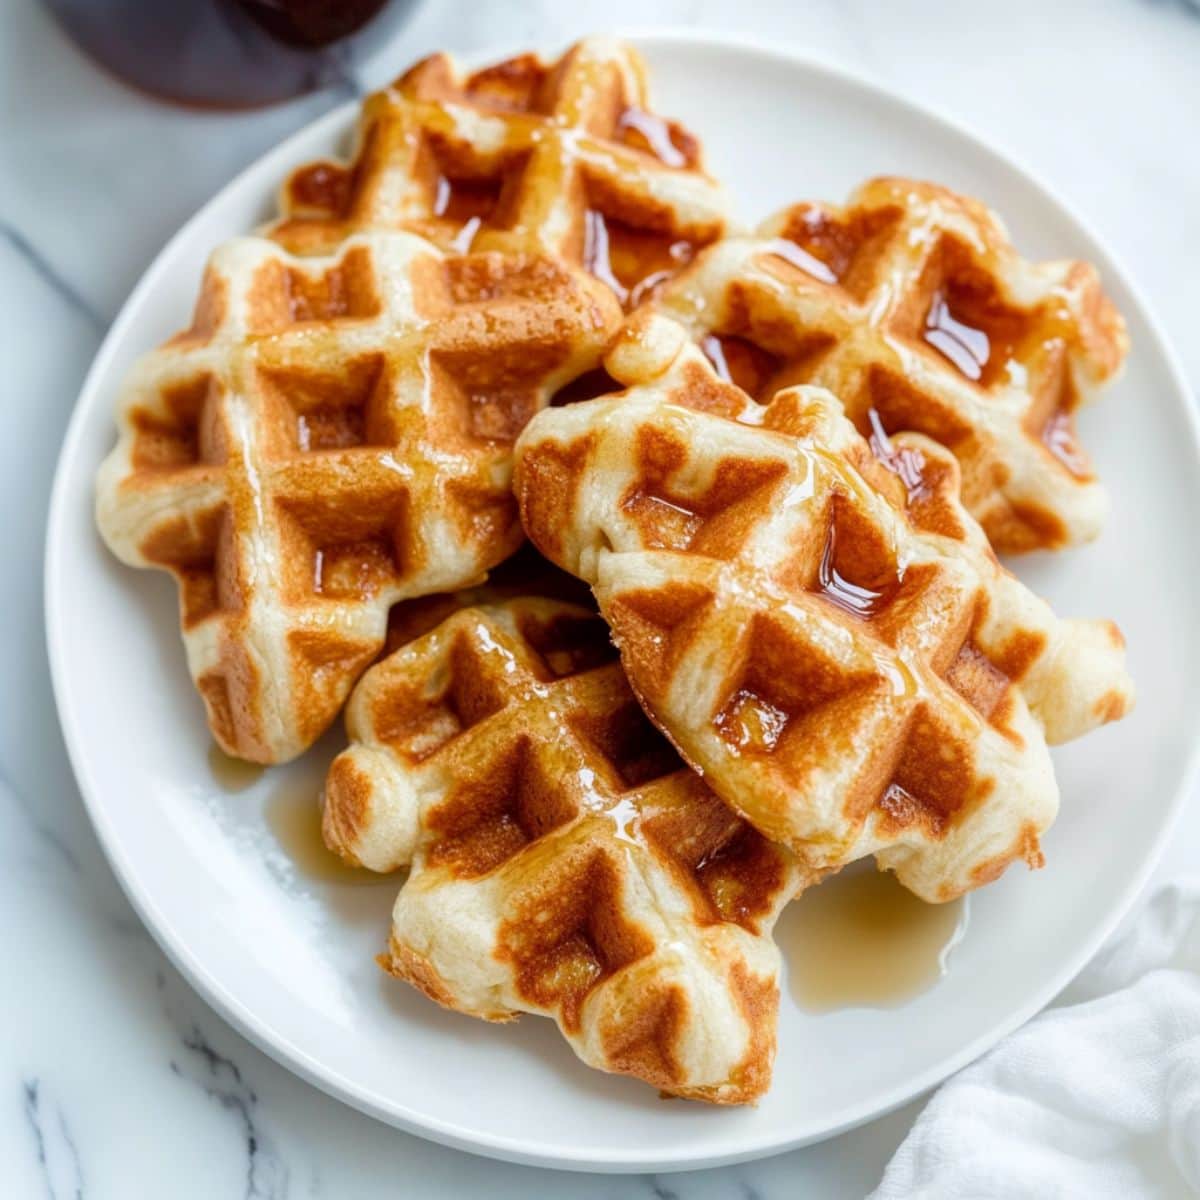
(292, 813)
(860, 939)
(232, 774)
(292, 816)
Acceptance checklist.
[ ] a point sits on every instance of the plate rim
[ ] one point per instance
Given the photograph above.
(293, 1057)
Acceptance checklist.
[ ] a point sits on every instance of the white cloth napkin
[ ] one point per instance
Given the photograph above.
(1098, 1097)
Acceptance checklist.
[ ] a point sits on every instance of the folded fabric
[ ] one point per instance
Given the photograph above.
(1097, 1097)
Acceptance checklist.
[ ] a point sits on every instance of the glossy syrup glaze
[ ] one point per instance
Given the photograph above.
(672, 145)
(630, 261)
(967, 347)
(566, 159)
(857, 599)
(744, 363)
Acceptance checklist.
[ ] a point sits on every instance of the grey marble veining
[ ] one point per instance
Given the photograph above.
(120, 1081)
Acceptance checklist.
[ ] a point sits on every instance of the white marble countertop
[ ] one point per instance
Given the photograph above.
(117, 1079)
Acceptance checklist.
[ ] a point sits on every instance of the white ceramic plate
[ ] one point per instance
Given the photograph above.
(288, 959)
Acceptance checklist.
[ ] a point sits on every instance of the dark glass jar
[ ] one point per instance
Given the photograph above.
(228, 53)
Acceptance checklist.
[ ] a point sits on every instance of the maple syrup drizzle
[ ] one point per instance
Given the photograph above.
(631, 261)
(641, 259)
(744, 364)
(461, 243)
(232, 774)
(880, 442)
(641, 290)
(322, 185)
(750, 722)
(1058, 435)
(907, 463)
(467, 203)
(596, 257)
(714, 350)
(800, 258)
(851, 598)
(330, 427)
(860, 939)
(965, 346)
(656, 133)
(442, 194)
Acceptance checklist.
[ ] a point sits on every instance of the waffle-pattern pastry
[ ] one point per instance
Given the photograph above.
(329, 436)
(911, 305)
(565, 159)
(563, 860)
(850, 677)
(525, 573)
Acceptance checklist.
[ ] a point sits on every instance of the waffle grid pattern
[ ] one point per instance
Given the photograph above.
(849, 678)
(564, 159)
(563, 859)
(911, 306)
(330, 436)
